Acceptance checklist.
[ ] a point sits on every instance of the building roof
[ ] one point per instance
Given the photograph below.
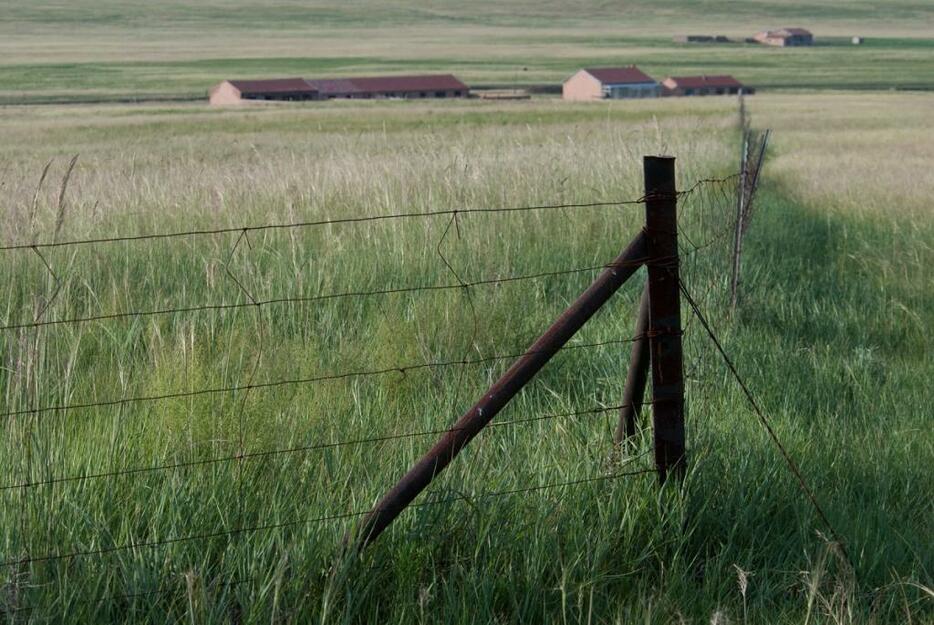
(431, 82)
(701, 82)
(342, 86)
(383, 84)
(619, 75)
(331, 86)
(275, 85)
(784, 33)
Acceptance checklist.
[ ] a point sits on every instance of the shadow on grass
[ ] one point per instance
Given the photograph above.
(831, 337)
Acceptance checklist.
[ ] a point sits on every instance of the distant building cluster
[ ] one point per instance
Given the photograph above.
(231, 92)
(599, 83)
(631, 82)
(782, 37)
(785, 37)
(701, 39)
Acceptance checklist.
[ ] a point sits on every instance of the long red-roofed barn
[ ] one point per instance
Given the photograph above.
(231, 92)
(599, 83)
(426, 86)
(702, 85)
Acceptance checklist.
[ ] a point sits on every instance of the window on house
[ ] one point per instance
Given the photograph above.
(440, 94)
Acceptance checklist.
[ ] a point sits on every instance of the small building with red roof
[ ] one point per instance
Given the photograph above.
(702, 85)
(598, 83)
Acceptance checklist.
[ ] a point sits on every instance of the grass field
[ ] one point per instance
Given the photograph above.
(833, 337)
(118, 50)
(230, 507)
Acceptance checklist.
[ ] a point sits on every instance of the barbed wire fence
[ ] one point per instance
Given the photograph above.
(753, 146)
(43, 415)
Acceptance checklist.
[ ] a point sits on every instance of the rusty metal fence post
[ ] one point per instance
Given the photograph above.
(740, 218)
(661, 229)
(637, 374)
(748, 183)
(660, 324)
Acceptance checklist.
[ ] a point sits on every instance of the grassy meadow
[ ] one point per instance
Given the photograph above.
(117, 50)
(833, 337)
(230, 506)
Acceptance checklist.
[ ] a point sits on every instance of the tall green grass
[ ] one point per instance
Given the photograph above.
(832, 336)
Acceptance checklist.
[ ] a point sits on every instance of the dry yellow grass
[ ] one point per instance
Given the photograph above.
(856, 152)
(172, 163)
(860, 152)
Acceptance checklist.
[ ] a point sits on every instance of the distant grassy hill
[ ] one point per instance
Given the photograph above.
(127, 49)
(904, 16)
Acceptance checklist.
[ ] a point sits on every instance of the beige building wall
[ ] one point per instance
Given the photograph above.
(582, 86)
(670, 87)
(224, 94)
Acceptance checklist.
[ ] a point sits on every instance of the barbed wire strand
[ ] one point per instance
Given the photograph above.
(305, 448)
(261, 329)
(345, 220)
(316, 298)
(792, 465)
(402, 369)
(475, 317)
(307, 224)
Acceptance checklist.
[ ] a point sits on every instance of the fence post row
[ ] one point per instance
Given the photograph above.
(749, 170)
(753, 181)
(740, 217)
(658, 244)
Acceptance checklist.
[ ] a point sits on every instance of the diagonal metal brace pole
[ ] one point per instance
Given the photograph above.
(637, 375)
(498, 395)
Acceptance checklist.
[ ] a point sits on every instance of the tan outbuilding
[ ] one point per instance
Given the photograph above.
(785, 37)
(609, 82)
